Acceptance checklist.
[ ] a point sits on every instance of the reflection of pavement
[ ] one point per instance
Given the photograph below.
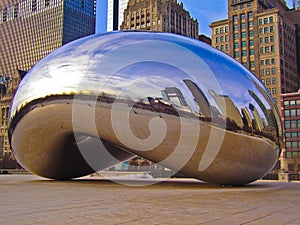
(27, 199)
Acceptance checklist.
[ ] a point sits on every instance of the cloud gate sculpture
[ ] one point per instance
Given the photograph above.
(106, 98)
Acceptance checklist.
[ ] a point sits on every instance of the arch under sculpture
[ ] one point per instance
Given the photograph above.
(106, 98)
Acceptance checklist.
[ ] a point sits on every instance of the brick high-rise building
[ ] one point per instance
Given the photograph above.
(290, 109)
(262, 36)
(30, 30)
(159, 15)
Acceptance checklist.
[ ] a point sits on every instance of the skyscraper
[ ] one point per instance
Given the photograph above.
(260, 35)
(30, 30)
(115, 11)
(159, 15)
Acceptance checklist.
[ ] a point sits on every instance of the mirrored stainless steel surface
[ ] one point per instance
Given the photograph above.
(176, 101)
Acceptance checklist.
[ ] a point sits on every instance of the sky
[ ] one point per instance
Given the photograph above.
(206, 11)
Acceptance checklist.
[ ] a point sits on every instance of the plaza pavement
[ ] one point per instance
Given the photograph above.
(28, 199)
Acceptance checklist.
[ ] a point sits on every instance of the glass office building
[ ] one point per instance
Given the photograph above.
(30, 30)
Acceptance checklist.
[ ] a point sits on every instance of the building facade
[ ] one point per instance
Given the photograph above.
(115, 13)
(30, 30)
(159, 15)
(260, 35)
(290, 107)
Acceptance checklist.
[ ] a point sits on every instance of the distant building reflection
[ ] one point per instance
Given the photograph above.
(200, 99)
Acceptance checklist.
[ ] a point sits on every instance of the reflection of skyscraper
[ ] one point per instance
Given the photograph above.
(174, 95)
(199, 98)
(115, 11)
(258, 121)
(228, 107)
(247, 118)
(268, 113)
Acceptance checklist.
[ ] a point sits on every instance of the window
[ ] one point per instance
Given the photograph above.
(272, 48)
(235, 27)
(273, 61)
(262, 72)
(271, 19)
(287, 124)
(235, 18)
(222, 48)
(251, 42)
(236, 36)
(222, 38)
(244, 53)
(286, 102)
(260, 21)
(260, 30)
(243, 25)
(263, 81)
(250, 14)
(265, 20)
(266, 30)
(268, 71)
(271, 38)
(266, 39)
(248, 5)
(242, 6)
(251, 33)
(252, 65)
(244, 44)
(287, 134)
(293, 112)
(251, 24)
(261, 40)
(217, 39)
(251, 51)
(226, 28)
(262, 62)
(267, 49)
(242, 16)
(294, 144)
(226, 38)
(273, 70)
(236, 54)
(287, 112)
(261, 50)
(268, 81)
(227, 47)
(273, 90)
(271, 29)
(273, 80)
(221, 30)
(236, 45)
(243, 34)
